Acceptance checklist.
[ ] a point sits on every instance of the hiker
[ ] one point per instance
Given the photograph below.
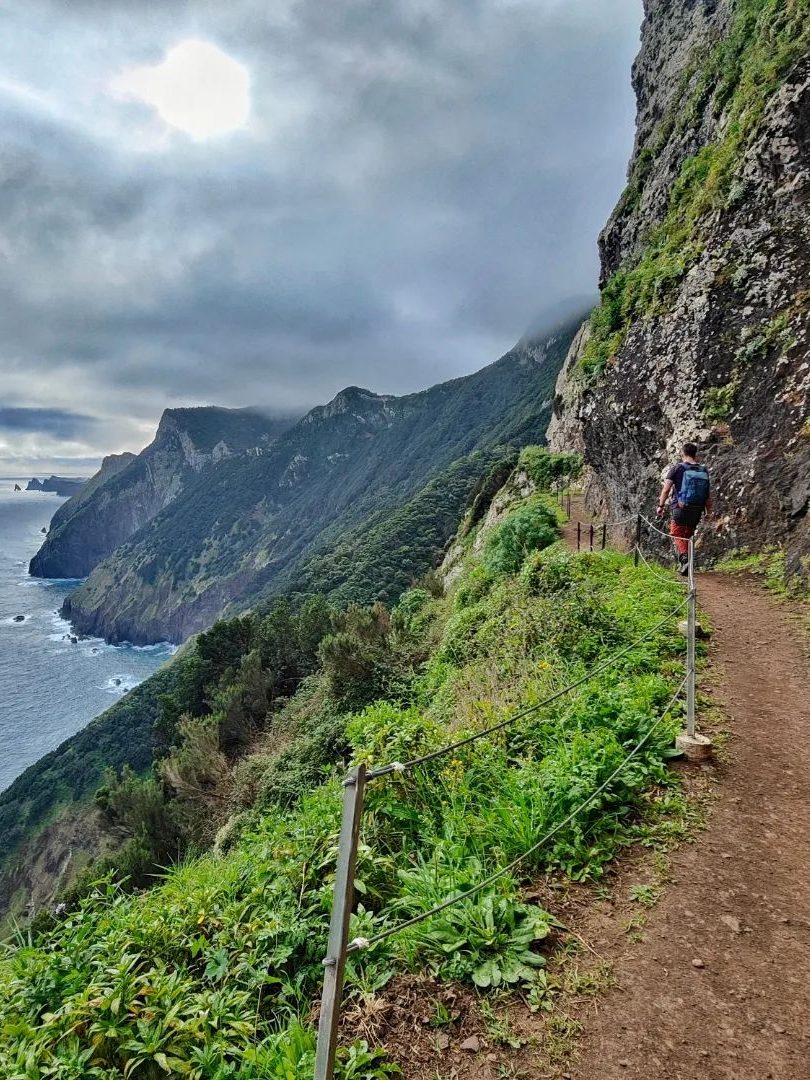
(688, 489)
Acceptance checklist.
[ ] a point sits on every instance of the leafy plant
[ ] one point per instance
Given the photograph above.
(544, 467)
(211, 970)
(532, 527)
(644, 894)
(489, 938)
(719, 402)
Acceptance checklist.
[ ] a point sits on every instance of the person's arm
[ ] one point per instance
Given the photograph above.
(666, 490)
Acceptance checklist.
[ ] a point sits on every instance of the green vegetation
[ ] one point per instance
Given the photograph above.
(362, 536)
(239, 429)
(379, 559)
(531, 527)
(719, 402)
(768, 564)
(738, 77)
(121, 736)
(545, 469)
(213, 971)
(345, 478)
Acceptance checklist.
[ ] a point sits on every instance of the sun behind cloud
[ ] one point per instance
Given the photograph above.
(197, 89)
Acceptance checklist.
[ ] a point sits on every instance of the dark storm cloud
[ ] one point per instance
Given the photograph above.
(54, 422)
(419, 183)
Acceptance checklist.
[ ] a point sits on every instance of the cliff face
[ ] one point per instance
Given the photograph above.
(704, 323)
(250, 525)
(129, 490)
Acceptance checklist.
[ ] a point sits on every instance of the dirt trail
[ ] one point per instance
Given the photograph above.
(719, 984)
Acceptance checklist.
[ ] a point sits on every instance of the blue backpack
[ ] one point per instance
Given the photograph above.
(695, 486)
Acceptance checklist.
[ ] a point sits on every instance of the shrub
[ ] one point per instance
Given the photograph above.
(356, 657)
(529, 528)
(719, 402)
(543, 467)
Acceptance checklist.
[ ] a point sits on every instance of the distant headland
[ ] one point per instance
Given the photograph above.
(58, 485)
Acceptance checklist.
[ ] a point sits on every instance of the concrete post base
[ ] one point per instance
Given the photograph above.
(694, 747)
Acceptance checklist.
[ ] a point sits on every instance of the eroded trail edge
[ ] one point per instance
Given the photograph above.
(718, 984)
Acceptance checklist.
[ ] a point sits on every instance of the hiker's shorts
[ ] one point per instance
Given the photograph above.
(681, 535)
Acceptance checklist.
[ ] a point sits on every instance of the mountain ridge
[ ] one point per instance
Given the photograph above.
(244, 520)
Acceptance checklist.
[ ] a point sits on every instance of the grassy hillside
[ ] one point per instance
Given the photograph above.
(378, 561)
(213, 972)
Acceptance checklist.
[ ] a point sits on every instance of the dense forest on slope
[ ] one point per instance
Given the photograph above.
(242, 526)
(703, 330)
(229, 945)
(400, 538)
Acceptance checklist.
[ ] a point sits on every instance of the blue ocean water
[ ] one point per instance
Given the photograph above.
(49, 687)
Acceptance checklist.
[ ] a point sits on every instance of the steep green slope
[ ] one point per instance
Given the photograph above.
(67, 777)
(395, 543)
(129, 490)
(241, 528)
(110, 466)
(378, 563)
(214, 971)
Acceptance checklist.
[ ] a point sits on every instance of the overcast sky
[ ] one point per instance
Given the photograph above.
(245, 203)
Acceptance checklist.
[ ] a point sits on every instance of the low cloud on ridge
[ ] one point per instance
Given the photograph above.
(416, 184)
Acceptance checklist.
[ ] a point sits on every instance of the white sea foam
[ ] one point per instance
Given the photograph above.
(120, 684)
(159, 648)
(12, 621)
(94, 646)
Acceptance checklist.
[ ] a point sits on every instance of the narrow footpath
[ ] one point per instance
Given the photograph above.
(718, 985)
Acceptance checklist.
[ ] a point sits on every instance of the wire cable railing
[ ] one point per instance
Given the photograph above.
(651, 525)
(383, 935)
(404, 766)
(339, 947)
(655, 573)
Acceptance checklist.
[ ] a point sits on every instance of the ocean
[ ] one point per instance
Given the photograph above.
(50, 688)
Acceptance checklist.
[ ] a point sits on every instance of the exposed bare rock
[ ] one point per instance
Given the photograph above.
(723, 358)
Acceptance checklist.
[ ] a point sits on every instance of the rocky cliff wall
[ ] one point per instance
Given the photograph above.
(129, 490)
(704, 325)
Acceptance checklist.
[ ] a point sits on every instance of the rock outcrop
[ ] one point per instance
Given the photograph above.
(703, 331)
(58, 485)
(129, 490)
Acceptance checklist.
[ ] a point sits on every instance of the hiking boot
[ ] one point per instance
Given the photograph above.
(683, 564)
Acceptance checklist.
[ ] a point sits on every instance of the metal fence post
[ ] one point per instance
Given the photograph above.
(335, 962)
(590, 538)
(604, 536)
(569, 498)
(690, 645)
(579, 535)
(638, 540)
